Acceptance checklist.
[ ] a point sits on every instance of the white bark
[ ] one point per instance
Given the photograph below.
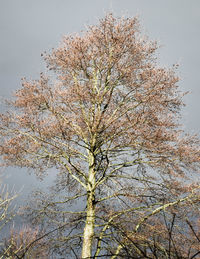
(90, 218)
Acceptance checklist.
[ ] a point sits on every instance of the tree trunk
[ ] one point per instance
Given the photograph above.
(89, 227)
(90, 218)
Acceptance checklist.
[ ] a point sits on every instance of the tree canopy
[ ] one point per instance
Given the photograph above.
(107, 122)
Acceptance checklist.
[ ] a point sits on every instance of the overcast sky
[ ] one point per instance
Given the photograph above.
(30, 27)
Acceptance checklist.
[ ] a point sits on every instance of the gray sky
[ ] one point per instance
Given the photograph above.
(30, 27)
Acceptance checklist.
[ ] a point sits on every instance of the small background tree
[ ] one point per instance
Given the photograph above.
(25, 243)
(7, 209)
(108, 125)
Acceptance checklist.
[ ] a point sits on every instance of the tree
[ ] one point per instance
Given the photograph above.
(174, 233)
(107, 123)
(24, 244)
(6, 210)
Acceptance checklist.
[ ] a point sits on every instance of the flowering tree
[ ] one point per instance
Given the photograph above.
(108, 126)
